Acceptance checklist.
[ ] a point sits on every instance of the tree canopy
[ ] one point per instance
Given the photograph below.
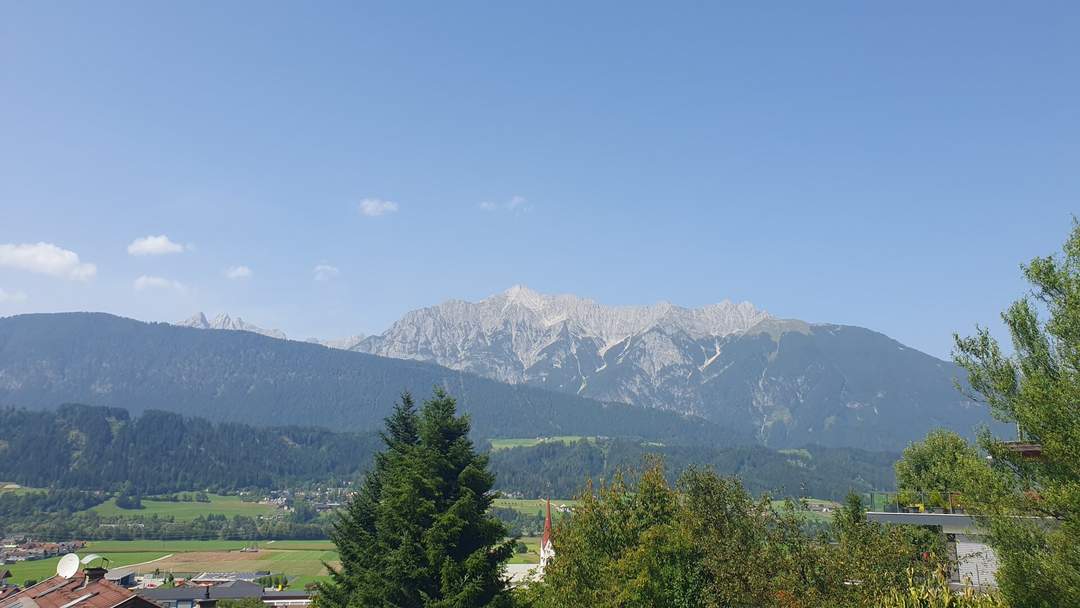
(707, 542)
(419, 534)
(1037, 387)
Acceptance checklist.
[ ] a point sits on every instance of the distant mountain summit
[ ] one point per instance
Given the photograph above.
(524, 336)
(787, 382)
(224, 321)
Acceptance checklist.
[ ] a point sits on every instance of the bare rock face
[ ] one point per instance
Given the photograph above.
(786, 381)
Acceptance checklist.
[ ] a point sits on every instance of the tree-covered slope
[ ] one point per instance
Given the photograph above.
(237, 376)
(561, 470)
(104, 448)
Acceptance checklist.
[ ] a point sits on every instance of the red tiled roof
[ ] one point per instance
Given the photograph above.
(75, 592)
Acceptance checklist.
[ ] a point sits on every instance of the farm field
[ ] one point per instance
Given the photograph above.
(181, 546)
(187, 511)
(44, 568)
(532, 506)
(293, 562)
(528, 442)
(301, 560)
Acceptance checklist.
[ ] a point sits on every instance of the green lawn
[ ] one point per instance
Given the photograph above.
(528, 442)
(187, 511)
(44, 568)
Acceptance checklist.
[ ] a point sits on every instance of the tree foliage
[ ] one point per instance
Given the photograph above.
(944, 470)
(418, 534)
(1037, 387)
(707, 542)
(104, 448)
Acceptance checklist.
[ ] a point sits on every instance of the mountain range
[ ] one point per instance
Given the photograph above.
(524, 363)
(225, 321)
(239, 376)
(787, 382)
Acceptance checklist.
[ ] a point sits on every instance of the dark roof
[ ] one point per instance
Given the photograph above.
(286, 595)
(233, 590)
(74, 592)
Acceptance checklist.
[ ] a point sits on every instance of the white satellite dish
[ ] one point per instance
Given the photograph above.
(89, 558)
(68, 565)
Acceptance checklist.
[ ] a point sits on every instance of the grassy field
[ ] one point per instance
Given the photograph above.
(44, 568)
(293, 562)
(530, 506)
(533, 556)
(14, 488)
(302, 559)
(528, 442)
(814, 503)
(187, 511)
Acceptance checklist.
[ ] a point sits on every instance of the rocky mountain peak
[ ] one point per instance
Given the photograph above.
(224, 321)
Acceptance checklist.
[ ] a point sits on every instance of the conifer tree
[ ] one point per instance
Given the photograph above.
(418, 534)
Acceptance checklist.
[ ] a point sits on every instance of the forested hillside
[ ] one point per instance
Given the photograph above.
(238, 376)
(562, 470)
(99, 448)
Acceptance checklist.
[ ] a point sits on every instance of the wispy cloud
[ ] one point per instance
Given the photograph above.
(46, 258)
(516, 203)
(325, 272)
(238, 272)
(11, 297)
(146, 282)
(154, 245)
(374, 207)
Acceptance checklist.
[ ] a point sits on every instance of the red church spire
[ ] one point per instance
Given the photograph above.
(546, 539)
(547, 551)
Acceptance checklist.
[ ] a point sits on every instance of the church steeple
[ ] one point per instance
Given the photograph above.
(547, 550)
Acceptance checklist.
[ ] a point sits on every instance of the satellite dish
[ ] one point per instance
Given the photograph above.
(68, 565)
(89, 558)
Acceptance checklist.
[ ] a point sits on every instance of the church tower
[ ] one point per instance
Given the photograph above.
(547, 550)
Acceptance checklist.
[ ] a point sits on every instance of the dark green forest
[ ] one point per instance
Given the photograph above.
(101, 448)
(562, 470)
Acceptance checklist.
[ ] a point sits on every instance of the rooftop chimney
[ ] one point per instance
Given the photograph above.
(206, 601)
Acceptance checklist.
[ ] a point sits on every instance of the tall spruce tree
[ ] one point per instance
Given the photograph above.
(418, 533)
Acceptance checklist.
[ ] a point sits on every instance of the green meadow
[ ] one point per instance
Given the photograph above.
(528, 442)
(187, 511)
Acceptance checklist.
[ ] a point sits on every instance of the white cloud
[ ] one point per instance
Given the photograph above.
(12, 296)
(149, 282)
(46, 258)
(516, 203)
(238, 272)
(325, 272)
(154, 245)
(374, 207)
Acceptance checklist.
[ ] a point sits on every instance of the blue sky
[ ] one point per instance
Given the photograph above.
(888, 167)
